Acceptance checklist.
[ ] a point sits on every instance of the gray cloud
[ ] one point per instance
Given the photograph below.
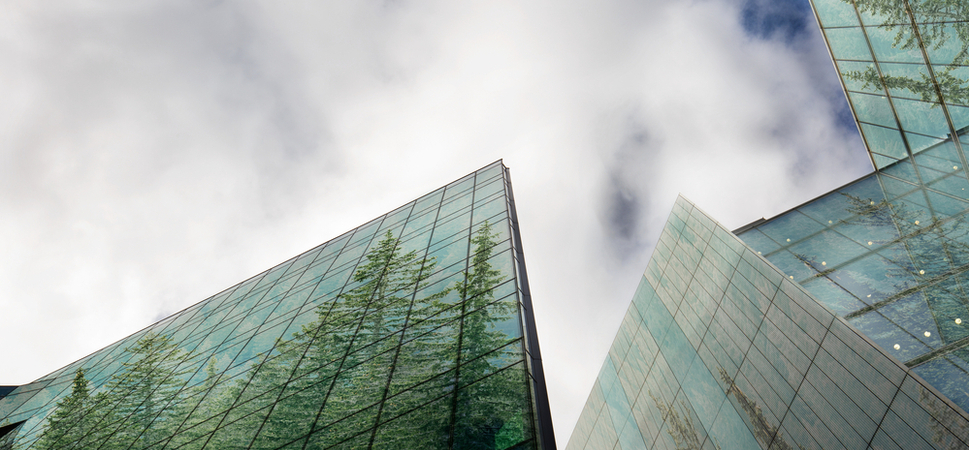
(153, 154)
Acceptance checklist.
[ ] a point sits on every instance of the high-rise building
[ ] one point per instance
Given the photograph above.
(903, 66)
(889, 255)
(414, 330)
(841, 323)
(720, 349)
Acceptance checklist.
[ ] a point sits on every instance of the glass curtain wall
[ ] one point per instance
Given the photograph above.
(721, 350)
(888, 253)
(406, 332)
(903, 64)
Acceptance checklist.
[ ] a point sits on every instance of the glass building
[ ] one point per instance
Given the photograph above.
(888, 252)
(903, 65)
(720, 349)
(414, 330)
(841, 323)
(889, 255)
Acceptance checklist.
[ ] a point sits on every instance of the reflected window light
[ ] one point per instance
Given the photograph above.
(958, 321)
(787, 240)
(955, 168)
(870, 295)
(917, 222)
(823, 263)
(830, 222)
(926, 333)
(870, 242)
(896, 346)
(921, 272)
(789, 276)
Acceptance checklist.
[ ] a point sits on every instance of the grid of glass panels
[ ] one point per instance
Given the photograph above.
(406, 332)
(888, 253)
(903, 65)
(719, 349)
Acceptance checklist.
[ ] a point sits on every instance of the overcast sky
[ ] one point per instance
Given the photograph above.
(155, 153)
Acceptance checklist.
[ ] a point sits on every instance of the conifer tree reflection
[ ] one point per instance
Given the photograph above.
(487, 413)
(70, 420)
(140, 396)
(327, 379)
(370, 318)
(930, 254)
(196, 408)
(133, 410)
(390, 363)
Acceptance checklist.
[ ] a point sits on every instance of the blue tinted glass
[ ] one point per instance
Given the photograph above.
(903, 71)
(835, 13)
(758, 241)
(948, 48)
(922, 117)
(790, 227)
(704, 393)
(886, 44)
(885, 141)
(899, 343)
(947, 377)
(921, 142)
(873, 109)
(848, 43)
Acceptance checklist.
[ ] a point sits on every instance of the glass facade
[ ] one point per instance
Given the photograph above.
(413, 330)
(720, 349)
(903, 65)
(888, 253)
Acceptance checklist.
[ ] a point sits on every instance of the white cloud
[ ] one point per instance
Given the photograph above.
(153, 154)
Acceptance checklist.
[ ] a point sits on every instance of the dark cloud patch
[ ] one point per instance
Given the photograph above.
(776, 19)
(623, 211)
(625, 207)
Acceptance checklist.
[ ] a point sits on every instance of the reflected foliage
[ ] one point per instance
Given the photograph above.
(134, 408)
(928, 261)
(952, 88)
(763, 430)
(478, 424)
(924, 260)
(940, 21)
(8, 435)
(390, 363)
(938, 414)
(68, 423)
(680, 425)
(930, 254)
(907, 287)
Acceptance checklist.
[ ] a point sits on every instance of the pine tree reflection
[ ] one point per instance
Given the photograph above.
(391, 363)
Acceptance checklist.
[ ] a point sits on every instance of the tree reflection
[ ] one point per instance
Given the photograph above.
(391, 363)
(924, 259)
(939, 21)
(926, 264)
(765, 433)
(680, 425)
(134, 410)
(69, 422)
